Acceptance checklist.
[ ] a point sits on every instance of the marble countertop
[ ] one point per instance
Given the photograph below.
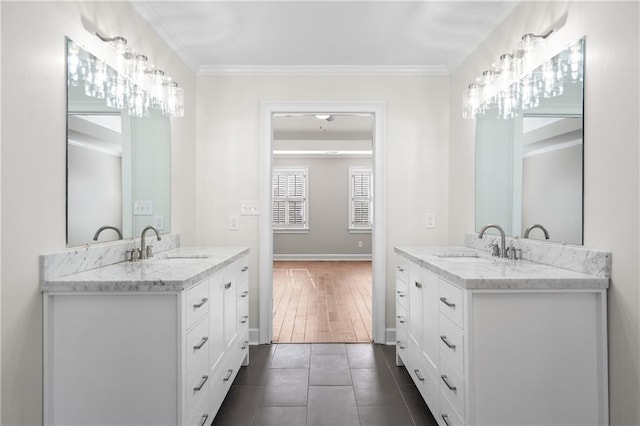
(487, 272)
(172, 270)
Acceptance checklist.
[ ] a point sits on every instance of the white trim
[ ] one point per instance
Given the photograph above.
(267, 109)
(324, 70)
(359, 230)
(290, 230)
(327, 257)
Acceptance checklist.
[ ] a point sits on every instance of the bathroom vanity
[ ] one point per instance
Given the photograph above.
(146, 343)
(489, 341)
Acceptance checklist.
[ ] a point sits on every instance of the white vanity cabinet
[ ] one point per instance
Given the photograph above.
(144, 357)
(503, 354)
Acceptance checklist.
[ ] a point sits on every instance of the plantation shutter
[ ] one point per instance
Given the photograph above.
(361, 198)
(289, 198)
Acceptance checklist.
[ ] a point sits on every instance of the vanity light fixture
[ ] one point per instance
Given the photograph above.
(133, 84)
(517, 81)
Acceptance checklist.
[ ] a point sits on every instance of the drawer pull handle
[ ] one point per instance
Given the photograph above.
(418, 285)
(228, 376)
(244, 319)
(401, 319)
(201, 385)
(205, 417)
(227, 286)
(446, 302)
(418, 375)
(202, 302)
(400, 269)
(244, 294)
(201, 344)
(245, 269)
(446, 342)
(446, 382)
(401, 293)
(244, 345)
(445, 418)
(399, 343)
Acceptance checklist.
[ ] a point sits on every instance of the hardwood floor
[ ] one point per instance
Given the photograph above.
(326, 302)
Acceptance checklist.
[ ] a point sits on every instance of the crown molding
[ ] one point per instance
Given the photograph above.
(324, 70)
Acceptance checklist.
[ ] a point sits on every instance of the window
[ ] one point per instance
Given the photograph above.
(360, 198)
(290, 199)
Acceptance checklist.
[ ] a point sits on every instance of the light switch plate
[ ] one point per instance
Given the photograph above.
(249, 208)
(143, 208)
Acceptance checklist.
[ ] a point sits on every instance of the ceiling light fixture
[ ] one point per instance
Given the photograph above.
(133, 84)
(521, 77)
(325, 117)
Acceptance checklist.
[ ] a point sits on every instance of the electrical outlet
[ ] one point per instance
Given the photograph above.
(249, 208)
(158, 222)
(431, 220)
(234, 222)
(360, 244)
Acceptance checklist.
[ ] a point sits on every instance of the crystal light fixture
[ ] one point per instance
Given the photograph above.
(522, 77)
(133, 84)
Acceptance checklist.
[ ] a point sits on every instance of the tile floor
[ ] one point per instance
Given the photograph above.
(323, 384)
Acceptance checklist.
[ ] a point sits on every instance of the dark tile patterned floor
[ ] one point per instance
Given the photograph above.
(323, 385)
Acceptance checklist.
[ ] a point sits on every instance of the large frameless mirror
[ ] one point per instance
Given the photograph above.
(118, 158)
(529, 167)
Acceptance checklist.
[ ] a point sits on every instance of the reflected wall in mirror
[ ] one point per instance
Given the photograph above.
(529, 169)
(118, 165)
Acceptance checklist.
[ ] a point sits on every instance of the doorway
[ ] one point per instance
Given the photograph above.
(377, 298)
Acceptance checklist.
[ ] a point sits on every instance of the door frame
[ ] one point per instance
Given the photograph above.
(267, 109)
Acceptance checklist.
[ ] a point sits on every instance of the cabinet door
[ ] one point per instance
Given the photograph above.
(216, 321)
(415, 309)
(230, 305)
(430, 322)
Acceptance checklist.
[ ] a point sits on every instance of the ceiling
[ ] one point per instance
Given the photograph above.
(323, 37)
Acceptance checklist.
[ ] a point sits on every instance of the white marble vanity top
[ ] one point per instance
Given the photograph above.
(172, 270)
(487, 272)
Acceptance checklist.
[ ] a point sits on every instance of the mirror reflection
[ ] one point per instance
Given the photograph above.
(529, 169)
(118, 165)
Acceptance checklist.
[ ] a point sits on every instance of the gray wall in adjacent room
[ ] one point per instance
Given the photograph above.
(328, 211)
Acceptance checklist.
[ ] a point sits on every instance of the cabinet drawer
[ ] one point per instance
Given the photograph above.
(198, 345)
(243, 319)
(452, 384)
(401, 333)
(197, 384)
(401, 272)
(243, 275)
(401, 297)
(452, 342)
(451, 302)
(197, 299)
(448, 415)
(201, 414)
(427, 386)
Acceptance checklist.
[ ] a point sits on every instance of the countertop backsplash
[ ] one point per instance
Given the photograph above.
(84, 258)
(574, 258)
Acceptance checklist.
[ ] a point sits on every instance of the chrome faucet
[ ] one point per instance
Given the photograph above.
(102, 228)
(503, 251)
(532, 227)
(145, 252)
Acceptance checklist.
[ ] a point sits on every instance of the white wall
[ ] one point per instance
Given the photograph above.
(611, 161)
(328, 181)
(33, 155)
(228, 156)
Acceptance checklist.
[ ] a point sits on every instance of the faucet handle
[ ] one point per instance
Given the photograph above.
(495, 249)
(133, 255)
(149, 251)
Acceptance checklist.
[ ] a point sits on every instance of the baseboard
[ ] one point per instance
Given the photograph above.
(326, 257)
(390, 336)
